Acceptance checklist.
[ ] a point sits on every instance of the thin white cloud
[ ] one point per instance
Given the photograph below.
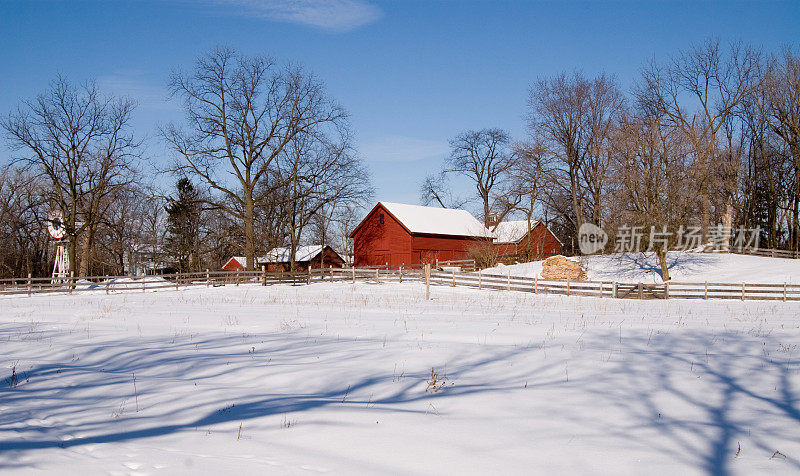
(135, 85)
(393, 148)
(331, 15)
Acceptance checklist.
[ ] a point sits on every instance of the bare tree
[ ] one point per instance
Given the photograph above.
(321, 174)
(79, 140)
(572, 117)
(23, 211)
(485, 158)
(783, 86)
(530, 182)
(654, 181)
(242, 112)
(122, 225)
(435, 189)
(697, 92)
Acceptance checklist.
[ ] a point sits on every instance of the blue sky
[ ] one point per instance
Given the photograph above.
(412, 74)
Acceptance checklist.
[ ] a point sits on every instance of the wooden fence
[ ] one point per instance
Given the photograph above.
(207, 278)
(611, 289)
(770, 252)
(400, 273)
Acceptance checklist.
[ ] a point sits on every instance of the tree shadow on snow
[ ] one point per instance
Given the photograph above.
(70, 390)
(632, 265)
(696, 397)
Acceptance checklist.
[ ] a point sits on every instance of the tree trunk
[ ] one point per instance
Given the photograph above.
(73, 253)
(662, 259)
(250, 233)
(86, 252)
(486, 212)
(728, 224)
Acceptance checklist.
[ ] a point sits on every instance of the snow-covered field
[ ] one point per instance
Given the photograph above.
(336, 378)
(683, 267)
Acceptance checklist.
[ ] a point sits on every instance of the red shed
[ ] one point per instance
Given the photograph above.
(397, 233)
(515, 238)
(314, 256)
(236, 263)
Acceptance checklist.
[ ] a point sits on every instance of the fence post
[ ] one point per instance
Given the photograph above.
(567, 286)
(705, 294)
(454, 278)
(177, 280)
(107, 283)
(330, 270)
(263, 275)
(29, 285)
(71, 280)
(666, 290)
(309, 273)
(377, 274)
(427, 281)
(601, 289)
(208, 278)
(742, 291)
(143, 282)
(401, 272)
(640, 290)
(354, 274)
(615, 290)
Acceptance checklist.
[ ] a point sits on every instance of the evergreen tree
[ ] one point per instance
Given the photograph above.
(183, 226)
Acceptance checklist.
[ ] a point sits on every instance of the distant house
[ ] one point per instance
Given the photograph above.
(313, 256)
(515, 238)
(397, 233)
(146, 259)
(236, 263)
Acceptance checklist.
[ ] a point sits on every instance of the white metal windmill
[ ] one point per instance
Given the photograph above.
(55, 226)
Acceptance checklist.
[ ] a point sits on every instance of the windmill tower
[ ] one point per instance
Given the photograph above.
(55, 226)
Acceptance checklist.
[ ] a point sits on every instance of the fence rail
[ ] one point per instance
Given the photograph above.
(618, 290)
(770, 253)
(207, 278)
(449, 277)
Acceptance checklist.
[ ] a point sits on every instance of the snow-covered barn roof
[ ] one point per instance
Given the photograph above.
(436, 221)
(512, 231)
(281, 255)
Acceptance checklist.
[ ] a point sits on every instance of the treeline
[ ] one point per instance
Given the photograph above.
(707, 137)
(264, 158)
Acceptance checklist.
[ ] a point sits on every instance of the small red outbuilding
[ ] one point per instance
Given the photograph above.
(525, 240)
(397, 233)
(235, 263)
(313, 256)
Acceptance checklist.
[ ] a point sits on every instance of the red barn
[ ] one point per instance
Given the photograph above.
(397, 233)
(515, 238)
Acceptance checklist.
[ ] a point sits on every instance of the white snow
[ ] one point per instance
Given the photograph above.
(334, 377)
(683, 267)
(437, 221)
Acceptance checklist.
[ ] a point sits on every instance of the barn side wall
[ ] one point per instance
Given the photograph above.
(376, 244)
(430, 248)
